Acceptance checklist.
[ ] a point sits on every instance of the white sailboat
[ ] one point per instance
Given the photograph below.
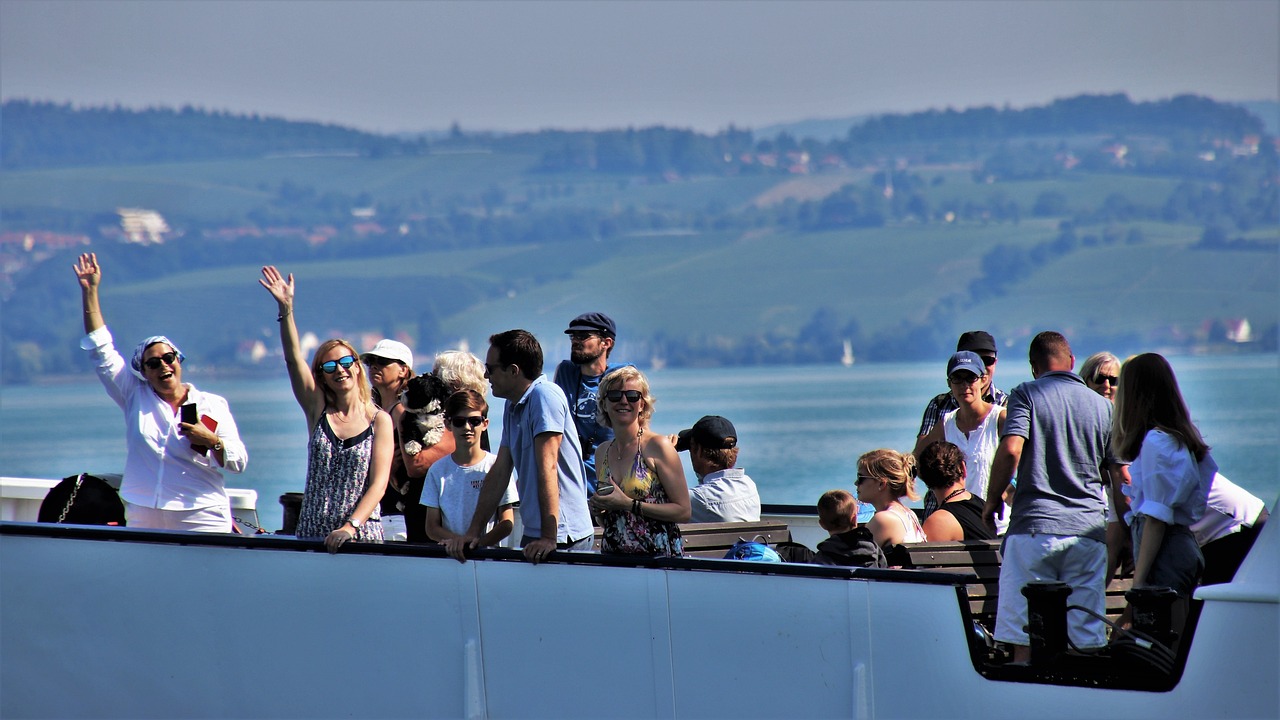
(846, 359)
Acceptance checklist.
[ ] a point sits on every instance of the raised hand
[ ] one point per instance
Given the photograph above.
(87, 270)
(280, 288)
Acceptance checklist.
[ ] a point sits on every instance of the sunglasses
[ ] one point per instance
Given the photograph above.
(153, 363)
(332, 366)
(582, 335)
(474, 421)
(861, 479)
(1102, 379)
(963, 380)
(631, 395)
(988, 360)
(375, 361)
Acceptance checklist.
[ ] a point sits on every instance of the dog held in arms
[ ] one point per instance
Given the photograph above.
(422, 424)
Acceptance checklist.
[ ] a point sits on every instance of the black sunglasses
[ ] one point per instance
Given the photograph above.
(631, 395)
(474, 421)
(1100, 379)
(988, 360)
(153, 363)
(861, 479)
(332, 366)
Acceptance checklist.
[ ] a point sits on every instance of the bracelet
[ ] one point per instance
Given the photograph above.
(283, 315)
(635, 507)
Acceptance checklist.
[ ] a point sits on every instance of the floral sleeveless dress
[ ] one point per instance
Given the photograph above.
(629, 534)
(337, 472)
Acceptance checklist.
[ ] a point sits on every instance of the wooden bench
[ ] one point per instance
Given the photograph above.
(982, 559)
(713, 540)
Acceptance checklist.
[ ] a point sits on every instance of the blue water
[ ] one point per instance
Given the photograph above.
(801, 428)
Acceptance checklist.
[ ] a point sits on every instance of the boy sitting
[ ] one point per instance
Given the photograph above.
(849, 545)
(452, 487)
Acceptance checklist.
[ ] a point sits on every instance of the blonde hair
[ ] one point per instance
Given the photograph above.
(1095, 362)
(617, 379)
(897, 469)
(364, 393)
(460, 370)
(1149, 399)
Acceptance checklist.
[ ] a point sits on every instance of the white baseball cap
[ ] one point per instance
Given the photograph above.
(391, 350)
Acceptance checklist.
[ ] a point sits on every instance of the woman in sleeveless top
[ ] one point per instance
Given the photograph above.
(642, 492)
(974, 426)
(959, 513)
(884, 478)
(349, 455)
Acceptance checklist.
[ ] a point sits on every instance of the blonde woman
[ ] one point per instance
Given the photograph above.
(884, 478)
(351, 439)
(642, 492)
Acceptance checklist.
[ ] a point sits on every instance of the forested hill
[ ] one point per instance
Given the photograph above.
(1080, 115)
(41, 134)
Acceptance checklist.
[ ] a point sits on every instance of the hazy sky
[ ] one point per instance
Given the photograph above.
(391, 66)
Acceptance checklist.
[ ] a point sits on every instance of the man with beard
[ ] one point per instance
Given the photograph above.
(591, 338)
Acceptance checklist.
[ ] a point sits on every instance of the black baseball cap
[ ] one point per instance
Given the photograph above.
(596, 322)
(978, 341)
(712, 431)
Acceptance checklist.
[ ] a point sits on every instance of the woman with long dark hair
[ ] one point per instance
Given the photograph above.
(1171, 471)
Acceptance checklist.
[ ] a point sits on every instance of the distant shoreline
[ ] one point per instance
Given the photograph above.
(242, 372)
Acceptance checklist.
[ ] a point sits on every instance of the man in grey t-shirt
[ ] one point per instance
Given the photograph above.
(1055, 436)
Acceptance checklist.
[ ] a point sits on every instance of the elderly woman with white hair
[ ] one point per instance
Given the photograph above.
(178, 438)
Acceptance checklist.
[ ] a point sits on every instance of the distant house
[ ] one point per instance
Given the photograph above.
(144, 227)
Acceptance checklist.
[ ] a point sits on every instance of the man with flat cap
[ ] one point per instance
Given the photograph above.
(591, 337)
(724, 492)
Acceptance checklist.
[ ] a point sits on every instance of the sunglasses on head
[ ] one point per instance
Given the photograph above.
(153, 363)
(332, 366)
(1101, 379)
(474, 421)
(631, 395)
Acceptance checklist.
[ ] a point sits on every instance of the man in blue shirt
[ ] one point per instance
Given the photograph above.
(540, 444)
(1056, 436)
(591, 336)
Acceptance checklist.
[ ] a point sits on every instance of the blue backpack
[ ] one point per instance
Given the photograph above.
(752, 550)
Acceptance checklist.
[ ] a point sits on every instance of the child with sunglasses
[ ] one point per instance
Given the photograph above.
(160, 442)
(453, 483)
(352, 440)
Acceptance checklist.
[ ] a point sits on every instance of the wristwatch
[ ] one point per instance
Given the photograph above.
(217, 446)
(354, 523)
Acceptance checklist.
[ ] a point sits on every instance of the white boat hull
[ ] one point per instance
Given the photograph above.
(128, 623)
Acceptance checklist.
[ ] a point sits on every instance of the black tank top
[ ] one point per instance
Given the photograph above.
(969, 514)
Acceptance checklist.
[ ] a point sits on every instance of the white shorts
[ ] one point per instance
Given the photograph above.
(1076, 561)
(209, 519)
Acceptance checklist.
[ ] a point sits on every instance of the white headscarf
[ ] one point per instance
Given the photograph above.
(136, 363)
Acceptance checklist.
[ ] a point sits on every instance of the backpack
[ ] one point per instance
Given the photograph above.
(753, 550)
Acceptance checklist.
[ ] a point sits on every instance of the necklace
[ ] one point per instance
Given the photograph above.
(618, 445)
(946, 499)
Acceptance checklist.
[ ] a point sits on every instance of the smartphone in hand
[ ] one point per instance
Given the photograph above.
(189, 414)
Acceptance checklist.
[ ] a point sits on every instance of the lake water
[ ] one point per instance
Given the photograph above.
(801, 428)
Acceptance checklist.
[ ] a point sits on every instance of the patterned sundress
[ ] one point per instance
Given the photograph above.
(628, 533)
(337, 473)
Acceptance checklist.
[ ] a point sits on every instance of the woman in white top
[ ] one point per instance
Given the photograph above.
(1171, 471)
(974, 426)
(884, 478)
(172, 473)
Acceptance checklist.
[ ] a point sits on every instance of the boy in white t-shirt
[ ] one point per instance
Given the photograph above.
(452, 487)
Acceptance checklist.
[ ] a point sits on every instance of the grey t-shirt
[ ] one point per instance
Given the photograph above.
(1062, 476)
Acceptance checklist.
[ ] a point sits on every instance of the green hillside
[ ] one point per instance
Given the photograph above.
(776, 254)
